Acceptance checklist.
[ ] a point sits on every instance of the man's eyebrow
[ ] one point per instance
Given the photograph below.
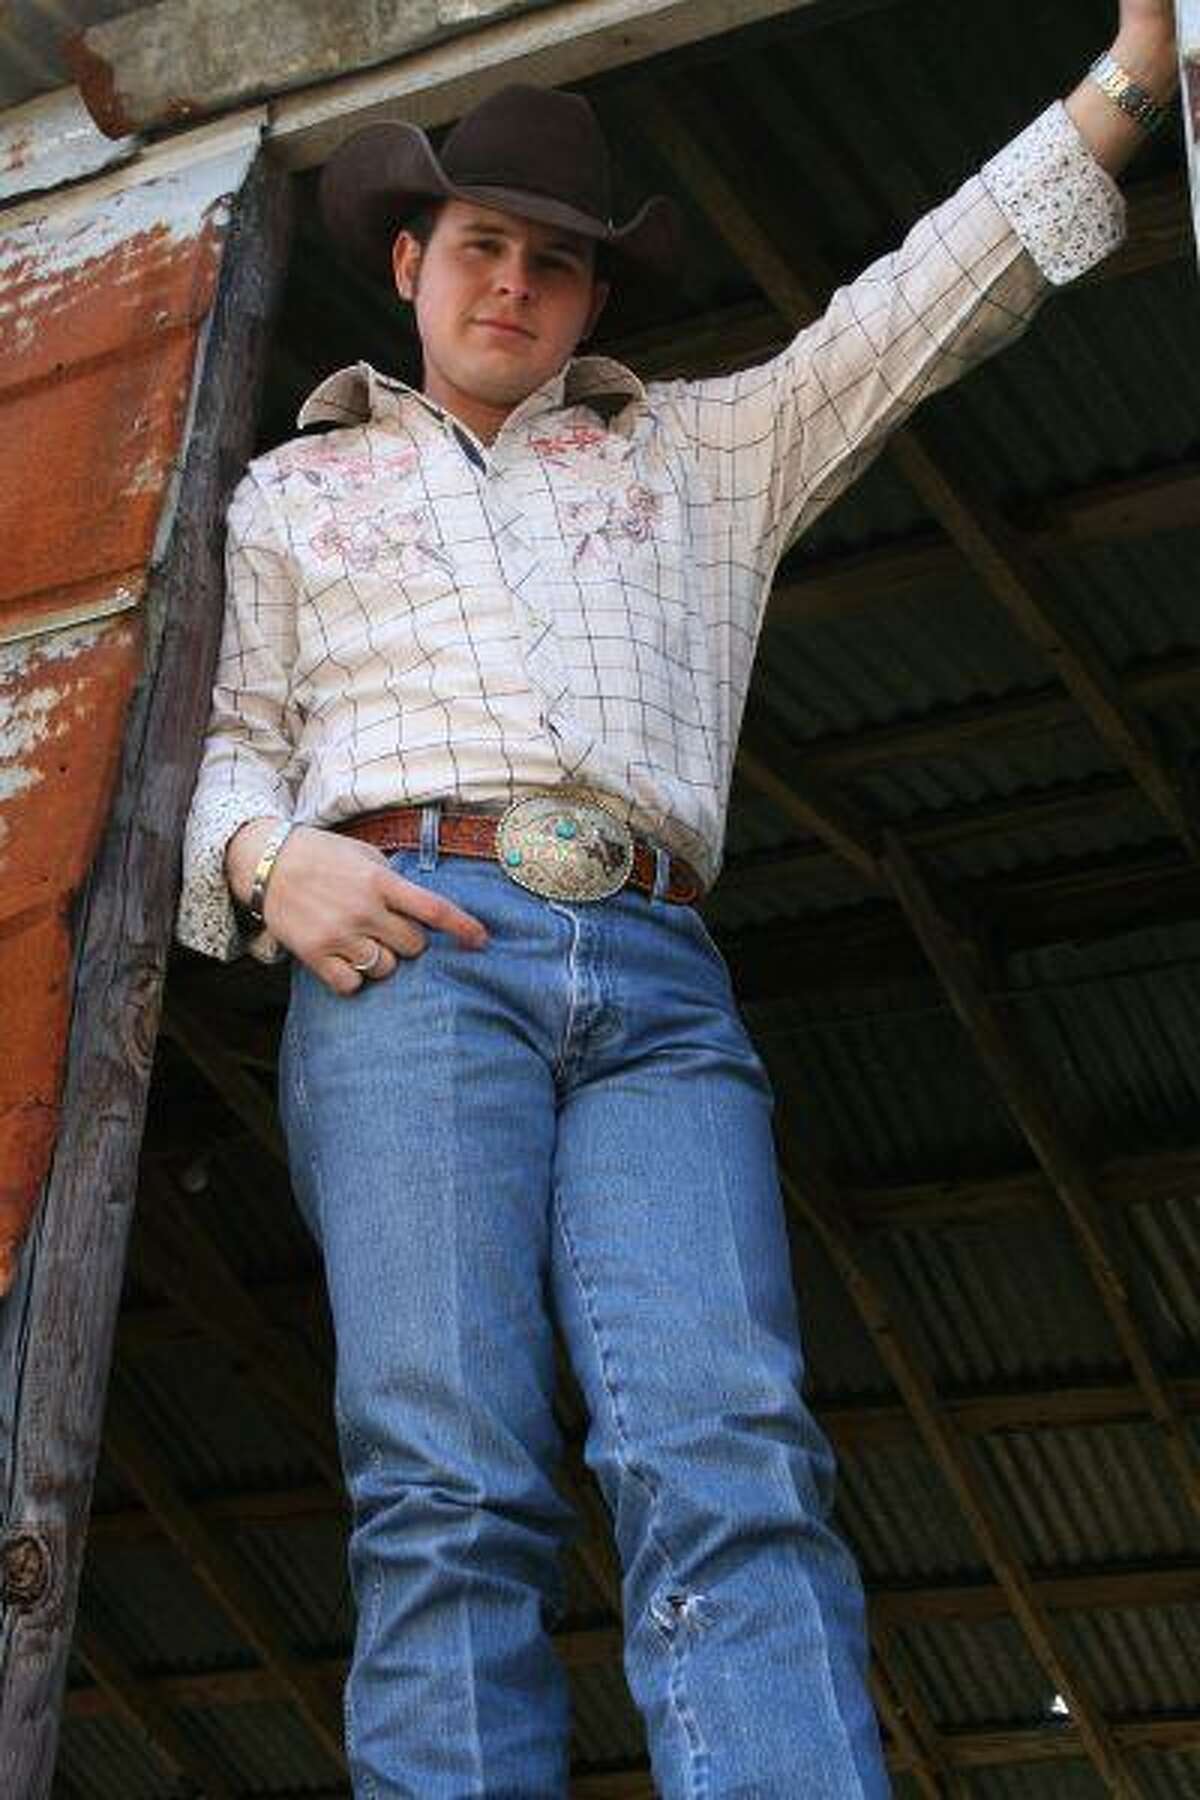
(573, 241)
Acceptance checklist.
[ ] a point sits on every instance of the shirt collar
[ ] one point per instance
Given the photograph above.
(360, 395)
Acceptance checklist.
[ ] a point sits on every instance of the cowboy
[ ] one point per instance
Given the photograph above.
(485, 657)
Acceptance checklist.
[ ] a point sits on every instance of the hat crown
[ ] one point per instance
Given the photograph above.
(536, 140)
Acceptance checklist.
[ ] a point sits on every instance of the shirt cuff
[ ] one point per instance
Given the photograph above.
(206, 920)
(1067, 211)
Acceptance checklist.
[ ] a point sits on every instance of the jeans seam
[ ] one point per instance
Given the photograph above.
(676, 1650)
(564, 1051)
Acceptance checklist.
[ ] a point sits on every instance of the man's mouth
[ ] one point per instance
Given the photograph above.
(506, 326)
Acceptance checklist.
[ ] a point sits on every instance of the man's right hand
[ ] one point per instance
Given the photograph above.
(331, 900)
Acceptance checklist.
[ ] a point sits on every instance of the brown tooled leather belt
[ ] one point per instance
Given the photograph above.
(476, 834)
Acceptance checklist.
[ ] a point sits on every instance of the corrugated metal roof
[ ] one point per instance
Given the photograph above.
(1080, 1498)
(897, 1512)
(1137, 1662)
(977, 1674)
(211, 1428)
(863, 123)
(1058, 1780)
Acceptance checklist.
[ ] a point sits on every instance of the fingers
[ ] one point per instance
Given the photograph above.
(409, 901)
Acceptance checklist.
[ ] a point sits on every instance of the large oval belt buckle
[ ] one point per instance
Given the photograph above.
(564, 847)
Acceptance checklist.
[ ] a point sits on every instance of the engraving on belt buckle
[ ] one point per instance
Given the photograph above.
(564, 847)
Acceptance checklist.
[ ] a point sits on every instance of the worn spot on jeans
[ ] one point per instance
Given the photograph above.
(674, 1610)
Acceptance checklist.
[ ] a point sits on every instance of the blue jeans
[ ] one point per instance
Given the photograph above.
(571, 1123)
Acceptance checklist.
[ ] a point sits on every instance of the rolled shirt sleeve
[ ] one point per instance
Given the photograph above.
(246, 770)
(1067, 211)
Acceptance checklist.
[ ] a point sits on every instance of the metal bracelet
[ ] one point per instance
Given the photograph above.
(1134, 100)
(263, 870)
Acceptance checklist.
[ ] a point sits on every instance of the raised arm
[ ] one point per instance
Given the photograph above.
(1145, 49)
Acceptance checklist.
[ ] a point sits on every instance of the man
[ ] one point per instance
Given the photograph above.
(497, 635)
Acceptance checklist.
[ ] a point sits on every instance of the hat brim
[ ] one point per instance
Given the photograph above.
(385, 173)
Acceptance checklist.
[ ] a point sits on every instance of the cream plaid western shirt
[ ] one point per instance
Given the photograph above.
(413, 616)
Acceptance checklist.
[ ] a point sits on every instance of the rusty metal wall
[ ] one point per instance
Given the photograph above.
(104, 290)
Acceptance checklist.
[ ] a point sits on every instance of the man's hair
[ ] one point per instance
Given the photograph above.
(422, 222)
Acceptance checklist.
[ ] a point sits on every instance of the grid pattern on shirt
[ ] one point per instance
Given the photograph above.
(411, 617)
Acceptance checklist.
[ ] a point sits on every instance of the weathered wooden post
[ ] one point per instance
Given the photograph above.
(1189, 52)
(134, 312)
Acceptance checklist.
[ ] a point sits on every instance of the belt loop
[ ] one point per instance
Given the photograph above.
(662, 873)
(430, 820)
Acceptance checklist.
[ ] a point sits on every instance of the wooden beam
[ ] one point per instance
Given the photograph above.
(834, 821)
(1115, 1588)
(948, 730)
(554, 45)
(855, 841)
(925, 562)
(142, 1707)
(224, 1578)
(912, 1737)
(867, 944)
(706, 169)
(995, 1038)
(1121, 1181)
(183, 1263)
(56, 1328)
(245, 1097)
(813, 1196)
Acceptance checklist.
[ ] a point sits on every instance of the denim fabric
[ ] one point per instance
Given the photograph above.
(571, 1123)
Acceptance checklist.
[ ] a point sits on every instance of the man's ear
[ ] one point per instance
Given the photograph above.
(600, 293)
(406, 261)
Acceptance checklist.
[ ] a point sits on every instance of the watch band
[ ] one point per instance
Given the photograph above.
(1134, 100)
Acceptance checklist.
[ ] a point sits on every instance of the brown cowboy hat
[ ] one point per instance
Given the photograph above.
(536, 152)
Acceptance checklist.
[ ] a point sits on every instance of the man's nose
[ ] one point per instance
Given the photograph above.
(516, 277)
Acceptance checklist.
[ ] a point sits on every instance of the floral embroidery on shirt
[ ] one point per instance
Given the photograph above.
(562, 445)
(319, 459)
(400, 540)
(598, 526)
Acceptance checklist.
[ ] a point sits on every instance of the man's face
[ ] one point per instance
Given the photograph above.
(501, 303)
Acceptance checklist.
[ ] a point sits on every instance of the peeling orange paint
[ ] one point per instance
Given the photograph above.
(63, 703)
(19, 151)
(97, 83)
(101, 310)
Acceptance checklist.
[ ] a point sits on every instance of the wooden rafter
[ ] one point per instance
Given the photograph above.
(814, 1198)
(183, 1263)
(244, 1096)
(863, 946)
(914, 1739)
(1001, 1746)
(837, 586)
(1115, 1588)
(767, 766)
(141, 1704)
(1000, 559)
(1121, 1181)
(996, 1040)
(949, 730)
(225, 1579)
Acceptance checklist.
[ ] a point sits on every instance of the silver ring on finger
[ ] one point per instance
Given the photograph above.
(365, 967)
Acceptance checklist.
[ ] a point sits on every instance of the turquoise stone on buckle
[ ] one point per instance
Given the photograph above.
(564, 846)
